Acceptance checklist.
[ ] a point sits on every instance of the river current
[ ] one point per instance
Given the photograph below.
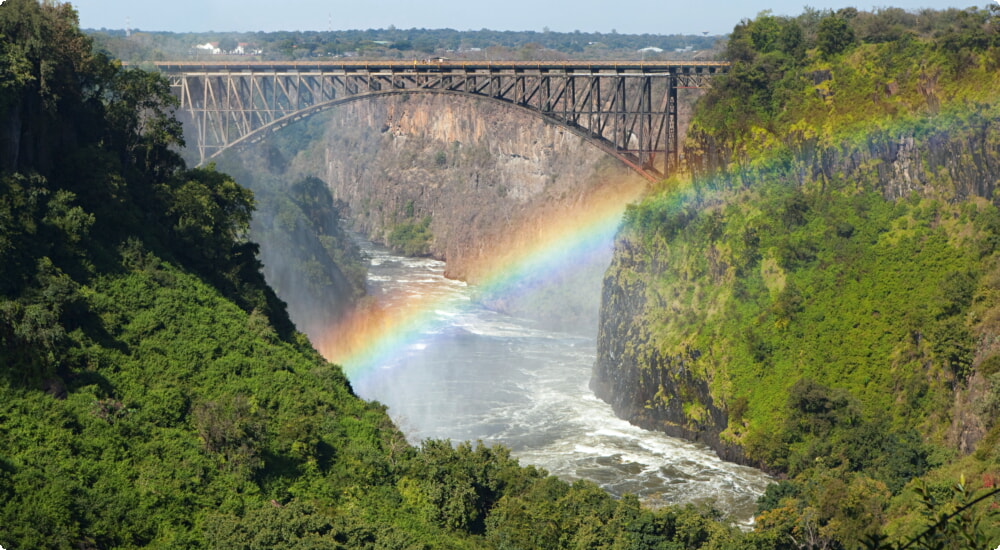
(475, 374)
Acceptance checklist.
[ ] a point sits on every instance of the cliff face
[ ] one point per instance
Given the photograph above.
(673, 356)
(481, 171)
(649, 389)
(956, 155)
(487, 180)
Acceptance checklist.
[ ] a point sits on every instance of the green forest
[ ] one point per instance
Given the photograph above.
(155, 393)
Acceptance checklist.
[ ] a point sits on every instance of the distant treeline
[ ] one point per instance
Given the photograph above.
(391, 42)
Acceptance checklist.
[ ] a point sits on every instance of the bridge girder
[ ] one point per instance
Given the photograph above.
(627, 109)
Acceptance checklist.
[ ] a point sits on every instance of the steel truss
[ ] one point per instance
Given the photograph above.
(628, 109)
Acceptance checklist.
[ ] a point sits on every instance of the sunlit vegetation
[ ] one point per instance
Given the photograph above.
(411, 237)
(830, 268)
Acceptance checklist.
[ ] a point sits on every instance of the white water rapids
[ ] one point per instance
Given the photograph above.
(480, 375)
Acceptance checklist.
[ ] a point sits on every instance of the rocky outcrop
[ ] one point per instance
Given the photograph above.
(957, 155)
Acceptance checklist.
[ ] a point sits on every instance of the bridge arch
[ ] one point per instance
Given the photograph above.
(627, 109)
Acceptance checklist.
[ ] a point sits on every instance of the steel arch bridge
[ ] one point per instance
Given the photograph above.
(628, 109)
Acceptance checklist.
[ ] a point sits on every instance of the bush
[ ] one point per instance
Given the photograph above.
(412, 238)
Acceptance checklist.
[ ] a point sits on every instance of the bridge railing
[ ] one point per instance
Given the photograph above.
(430, 65)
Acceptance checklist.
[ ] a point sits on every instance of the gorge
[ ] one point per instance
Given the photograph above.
(726, 295)
(493, 201)
(819, 296)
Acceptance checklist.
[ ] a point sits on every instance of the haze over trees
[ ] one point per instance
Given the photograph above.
(403, 44)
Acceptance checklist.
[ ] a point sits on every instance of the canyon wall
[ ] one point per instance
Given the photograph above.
(482, 171)
(487, 180)
(668, 356)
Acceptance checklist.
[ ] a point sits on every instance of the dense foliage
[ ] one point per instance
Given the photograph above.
(411, 237)
(824, 78)
(830, 268)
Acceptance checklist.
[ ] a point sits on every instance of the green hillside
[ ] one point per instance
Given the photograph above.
(828, 272)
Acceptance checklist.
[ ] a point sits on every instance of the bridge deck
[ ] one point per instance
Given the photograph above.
(674, 67)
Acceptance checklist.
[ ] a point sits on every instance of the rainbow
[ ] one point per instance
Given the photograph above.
(546, 248)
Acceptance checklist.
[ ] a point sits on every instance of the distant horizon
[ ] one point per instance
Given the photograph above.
(400, 29)
(653, 17)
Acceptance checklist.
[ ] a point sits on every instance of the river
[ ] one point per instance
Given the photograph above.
(474, 374)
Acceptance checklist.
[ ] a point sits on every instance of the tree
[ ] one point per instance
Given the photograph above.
(48, 79)
(142, 128)
(232, 428)
(209, 211)
(834, 36)
(227, 43)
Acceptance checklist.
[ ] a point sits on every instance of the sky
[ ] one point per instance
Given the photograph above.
(624, 16)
